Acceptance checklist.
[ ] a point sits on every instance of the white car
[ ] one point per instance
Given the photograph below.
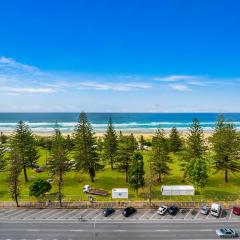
(162, 210)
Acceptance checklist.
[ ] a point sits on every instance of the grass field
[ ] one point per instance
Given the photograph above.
(108, 179)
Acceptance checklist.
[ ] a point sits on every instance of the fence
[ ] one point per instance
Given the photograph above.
(119, 204)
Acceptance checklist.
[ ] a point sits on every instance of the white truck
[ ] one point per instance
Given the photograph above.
(90, 190)
(216, 210)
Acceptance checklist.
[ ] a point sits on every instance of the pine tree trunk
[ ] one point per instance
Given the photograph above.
(16, 200)
(226, 175)
(25, 173)
(60, 188)
(126, 174)
(111, 162)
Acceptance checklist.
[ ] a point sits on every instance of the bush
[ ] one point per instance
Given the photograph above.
(39, 187)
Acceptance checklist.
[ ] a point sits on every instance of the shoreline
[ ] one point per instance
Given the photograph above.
(145, 134)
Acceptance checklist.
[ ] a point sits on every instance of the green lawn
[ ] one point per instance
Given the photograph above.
(108, 179)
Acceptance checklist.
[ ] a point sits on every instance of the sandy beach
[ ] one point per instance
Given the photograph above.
(137, 134)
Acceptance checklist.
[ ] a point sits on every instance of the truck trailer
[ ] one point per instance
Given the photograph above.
(177, 190)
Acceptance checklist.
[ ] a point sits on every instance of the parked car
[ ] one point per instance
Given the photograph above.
(226, 232)
(127, 212)
(108, 211)
(162, 210)
(216, 210)
(204, 210)
(173, 210)
(236, 210)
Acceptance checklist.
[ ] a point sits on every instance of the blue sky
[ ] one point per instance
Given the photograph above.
(120, 56)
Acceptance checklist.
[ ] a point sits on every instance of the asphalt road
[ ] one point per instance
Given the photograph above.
(121, 230)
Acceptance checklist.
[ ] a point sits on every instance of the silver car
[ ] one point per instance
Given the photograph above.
(226, 232)
(204, 210)
(162, 210)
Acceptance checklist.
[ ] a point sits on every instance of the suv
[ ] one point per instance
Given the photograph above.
(162, 210)
(173, 210)
(128, 211)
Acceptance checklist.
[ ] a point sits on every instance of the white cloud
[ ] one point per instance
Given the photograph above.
(19, 90)
(9, 64)
(179, 87)
(175, 78)
(113, 86)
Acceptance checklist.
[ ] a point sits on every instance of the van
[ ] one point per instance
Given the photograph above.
(216, 210)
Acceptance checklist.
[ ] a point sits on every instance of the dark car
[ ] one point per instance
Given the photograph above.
(236, 210)
(172, 210)
(108, 211)
(128, 211)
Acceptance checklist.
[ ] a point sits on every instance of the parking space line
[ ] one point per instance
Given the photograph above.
(89, 214)
(120, 215)
(80, 213)
(24, 213)
(230, 216)
(144, 214)
(153, 215)
(69, 212)
(16, 213)
(190, 210)
(197, 214)
(97, 215)
(56, 213)
(45, 212)
(7, 211)
(31, 215)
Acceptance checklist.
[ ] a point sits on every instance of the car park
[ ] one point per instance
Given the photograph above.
(127, 212)
(226, 233)
(173, 210)
(108, 211)
(204, 210)
(162, 210)
(236, 211)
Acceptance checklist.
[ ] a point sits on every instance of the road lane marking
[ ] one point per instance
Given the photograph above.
(162, 230)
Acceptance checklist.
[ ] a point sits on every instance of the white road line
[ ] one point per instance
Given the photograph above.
(97, 215)
(16, 213)
(26, 212)
(66, 214)
(74, 213)
(146, 212)
(230, 217)
(187, 214)
(197, 215)
(120, 230)
(162, 230)
(90, 214)
(55, 213)
(9, 211)
(6, 211)
(81, 212)
(120, 215)
(31, 215)
(45, 210)
(76, 230)
(153, 215)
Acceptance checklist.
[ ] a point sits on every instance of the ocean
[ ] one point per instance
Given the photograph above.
(128, 122)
